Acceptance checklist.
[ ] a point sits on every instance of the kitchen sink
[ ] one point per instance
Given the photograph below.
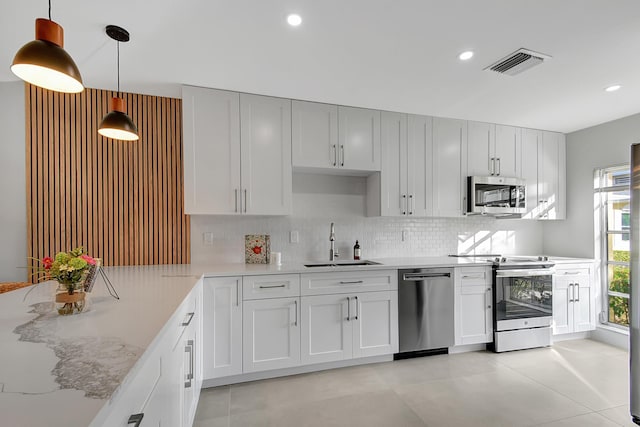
(342, 264)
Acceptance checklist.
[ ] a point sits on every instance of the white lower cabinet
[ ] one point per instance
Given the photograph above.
(327, 331)
(474, 315)
(375, 324)
(573, 299)
(259, 323)
(271, 334)
(342, 327)
(222, 326)
(164, 388)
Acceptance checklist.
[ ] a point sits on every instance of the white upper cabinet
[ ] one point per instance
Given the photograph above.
(394, 173)
(331, 137)
(480, 147)
(237, 153)
(507, 151)
(552, 175)
(493, 150)
(543, 159)
(211, 126)
(449, 172)
(265, 139)
(529, 156)
(314, 136)
(358, 139)
(406, 183)
(419, 165)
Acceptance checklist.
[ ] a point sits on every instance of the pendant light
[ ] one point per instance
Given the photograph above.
(116, 124)
(44, 63)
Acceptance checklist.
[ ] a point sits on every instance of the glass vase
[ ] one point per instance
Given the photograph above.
(70, 298)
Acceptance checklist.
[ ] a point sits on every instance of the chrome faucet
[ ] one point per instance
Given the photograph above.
(332, 239)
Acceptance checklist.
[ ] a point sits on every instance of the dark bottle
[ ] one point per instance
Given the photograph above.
(356, 251)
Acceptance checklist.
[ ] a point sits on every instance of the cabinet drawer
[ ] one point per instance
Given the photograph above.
(572, 270)
(134, 392)
(348, 281)
(474, 276)
(185, 316)
(270, 286)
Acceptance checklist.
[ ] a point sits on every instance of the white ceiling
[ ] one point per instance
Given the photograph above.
(398, 55)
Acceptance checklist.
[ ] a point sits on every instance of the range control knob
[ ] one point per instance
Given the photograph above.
(543, 258)
(497, 259)
(503, 259)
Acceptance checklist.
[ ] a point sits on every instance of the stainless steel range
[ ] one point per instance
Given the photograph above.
(522, 302)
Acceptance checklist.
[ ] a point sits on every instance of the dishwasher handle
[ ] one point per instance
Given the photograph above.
(416, 277)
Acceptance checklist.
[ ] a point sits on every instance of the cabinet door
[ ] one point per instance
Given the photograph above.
(266, 155)
(359, 138)
(561, 210)
(507, 151)
(192, 366)
(419, 161)
(393, 185)
(271, 334)
(562, 304)
(481, 159)
(375, 326)
(449, 175)
(190, 393)
(326, 333)
(583, 304)
(222, 324)
(529, 171)
(314, 134)
(548, 175)
(211, 126)
(475, 314)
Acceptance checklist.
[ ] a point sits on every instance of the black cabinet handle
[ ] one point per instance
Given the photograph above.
(136, 419)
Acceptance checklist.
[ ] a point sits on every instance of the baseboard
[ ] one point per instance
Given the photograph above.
(255, 376)
(569, 337)
(612, 336)
(467, 348)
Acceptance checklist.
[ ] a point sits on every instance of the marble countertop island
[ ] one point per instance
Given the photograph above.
(63, 370)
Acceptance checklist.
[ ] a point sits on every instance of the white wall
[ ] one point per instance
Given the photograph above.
(13, 227)
(319, 200)
(596, 147)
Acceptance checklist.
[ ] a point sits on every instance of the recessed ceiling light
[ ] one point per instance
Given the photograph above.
(294, 19)
(466, 55)
(612, 88)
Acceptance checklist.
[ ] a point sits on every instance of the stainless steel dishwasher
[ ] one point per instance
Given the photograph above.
(425, 311)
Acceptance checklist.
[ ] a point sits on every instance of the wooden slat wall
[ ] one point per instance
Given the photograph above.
(121, 200)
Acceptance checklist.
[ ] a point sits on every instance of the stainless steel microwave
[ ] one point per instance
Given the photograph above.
(496, 196)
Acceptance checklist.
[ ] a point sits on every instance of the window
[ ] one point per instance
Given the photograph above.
(613, 197)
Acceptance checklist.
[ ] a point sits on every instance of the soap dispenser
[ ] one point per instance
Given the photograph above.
(356, 251)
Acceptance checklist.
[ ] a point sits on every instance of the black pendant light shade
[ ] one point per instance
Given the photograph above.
(44, 63)
(116, 124)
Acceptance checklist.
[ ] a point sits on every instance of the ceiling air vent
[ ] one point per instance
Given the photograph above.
(517, 62)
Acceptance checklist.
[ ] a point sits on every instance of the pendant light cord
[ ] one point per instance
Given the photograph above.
(49, 10)
(118, 69)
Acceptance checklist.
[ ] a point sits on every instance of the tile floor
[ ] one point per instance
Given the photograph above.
(574, 383)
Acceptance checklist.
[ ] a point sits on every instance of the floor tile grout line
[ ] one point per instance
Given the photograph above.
(555, 391)
(404, 402)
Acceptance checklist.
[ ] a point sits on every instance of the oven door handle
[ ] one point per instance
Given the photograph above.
(525, 272)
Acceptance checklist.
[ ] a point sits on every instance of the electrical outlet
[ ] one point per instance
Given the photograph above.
(207, 238)
(293, 237)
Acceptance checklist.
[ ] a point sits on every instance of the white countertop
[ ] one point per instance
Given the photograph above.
(50, 362)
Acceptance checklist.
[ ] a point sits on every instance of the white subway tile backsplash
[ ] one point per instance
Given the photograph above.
(378, 237)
